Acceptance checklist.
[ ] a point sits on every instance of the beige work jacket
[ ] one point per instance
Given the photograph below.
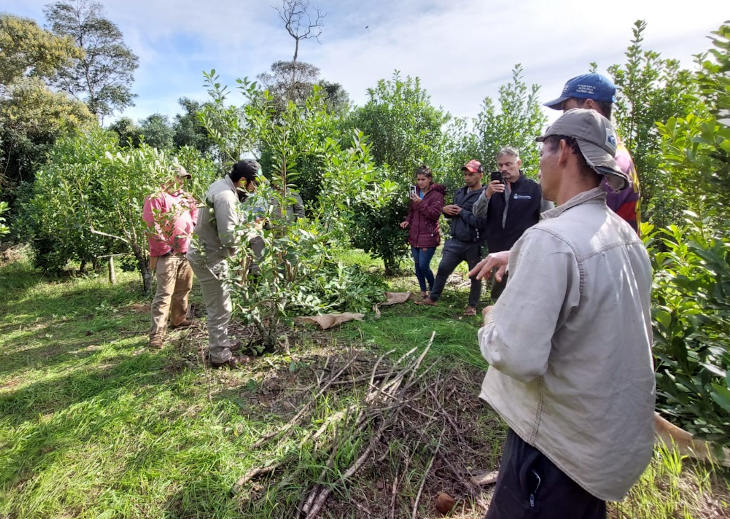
(569, 345)
(215, 231)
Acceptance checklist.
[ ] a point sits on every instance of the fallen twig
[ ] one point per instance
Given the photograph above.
(291, 423)
(425, 474)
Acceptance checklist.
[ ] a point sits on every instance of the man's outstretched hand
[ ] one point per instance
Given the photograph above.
(484, 268)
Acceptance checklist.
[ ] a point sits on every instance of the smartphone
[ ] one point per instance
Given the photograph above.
(496, 175)
(412, 190)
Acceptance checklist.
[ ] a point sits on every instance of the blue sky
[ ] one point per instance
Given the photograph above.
(462, 50)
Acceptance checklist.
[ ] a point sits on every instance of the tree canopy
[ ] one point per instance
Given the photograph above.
(102, 78)
(31, 114)
(26, 50)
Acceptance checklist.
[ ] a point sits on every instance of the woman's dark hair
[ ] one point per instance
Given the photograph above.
(247, 168)
(425, 171)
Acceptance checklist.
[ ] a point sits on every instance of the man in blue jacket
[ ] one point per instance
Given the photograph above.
(467, 237)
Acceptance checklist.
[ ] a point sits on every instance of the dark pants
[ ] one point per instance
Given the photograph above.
(498, 287)
(531, 486)
(455, 252)
(422, 260)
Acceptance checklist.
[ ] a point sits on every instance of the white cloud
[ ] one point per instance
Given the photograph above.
(461, 49)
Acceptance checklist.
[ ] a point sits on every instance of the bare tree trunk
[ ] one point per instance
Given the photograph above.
(143, 267)
(112, 274)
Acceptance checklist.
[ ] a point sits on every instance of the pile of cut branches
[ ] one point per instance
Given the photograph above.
(392, 436)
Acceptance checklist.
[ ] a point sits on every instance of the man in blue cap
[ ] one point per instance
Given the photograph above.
(596, 92)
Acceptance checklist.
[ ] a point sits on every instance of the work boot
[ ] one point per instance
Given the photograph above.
(232, 363)
(184, 324)
(156, 343)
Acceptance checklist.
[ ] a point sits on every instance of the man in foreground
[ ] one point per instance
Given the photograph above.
(576, 384)
(597, 92)
(510, 205)
(467, 237)
(217, 241)
(170, 216)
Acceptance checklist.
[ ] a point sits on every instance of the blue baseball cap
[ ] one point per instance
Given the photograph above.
(586, 86)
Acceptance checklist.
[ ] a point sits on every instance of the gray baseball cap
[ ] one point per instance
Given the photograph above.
(596, 139)
(182, 172)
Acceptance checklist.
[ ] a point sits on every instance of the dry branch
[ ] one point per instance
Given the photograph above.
(291, 423)
(425, 474)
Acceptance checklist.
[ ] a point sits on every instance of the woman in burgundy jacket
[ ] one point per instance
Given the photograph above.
(423, 222)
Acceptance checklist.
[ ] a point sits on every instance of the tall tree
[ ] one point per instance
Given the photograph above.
(289, 81)
(31, 115)
(157, 131)
(129, 132)
(301, 22)
(28, 50)
(293, 80)
(103, 77)
(189, 131)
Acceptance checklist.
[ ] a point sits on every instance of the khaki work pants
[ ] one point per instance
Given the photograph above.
(174, 281)
(218, 305)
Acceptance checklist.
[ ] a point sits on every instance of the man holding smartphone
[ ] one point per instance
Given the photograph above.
(511, 203)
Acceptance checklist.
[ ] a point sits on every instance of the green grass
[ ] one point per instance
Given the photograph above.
(402, 326)
(94, 424)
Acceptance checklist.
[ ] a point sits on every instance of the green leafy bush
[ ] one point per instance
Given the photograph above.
(404, 131)
(60, 208)
(87, 200)
(377, 232)
(691, 319)
(3, 228)
(288, 278)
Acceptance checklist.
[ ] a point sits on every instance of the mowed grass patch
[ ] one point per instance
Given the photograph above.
(92, 423)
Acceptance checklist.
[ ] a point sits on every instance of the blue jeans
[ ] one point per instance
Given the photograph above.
(422, 260)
